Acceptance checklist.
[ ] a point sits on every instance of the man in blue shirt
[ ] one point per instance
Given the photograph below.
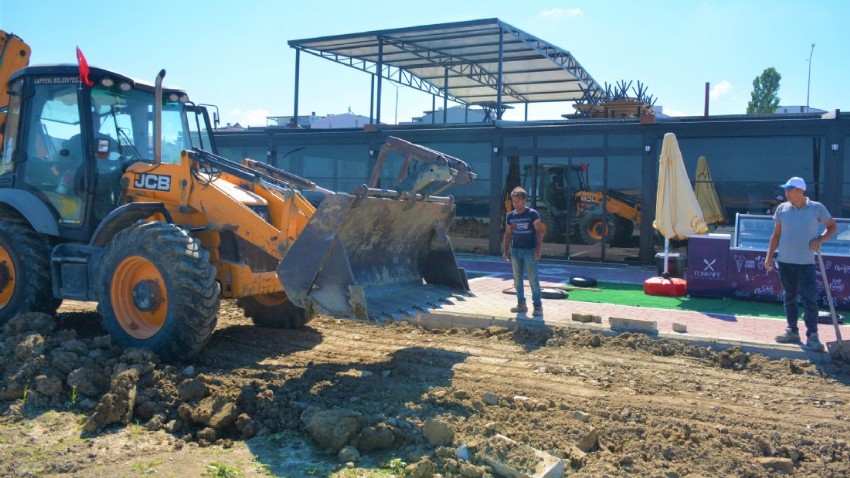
(523, 245)
(795, 234)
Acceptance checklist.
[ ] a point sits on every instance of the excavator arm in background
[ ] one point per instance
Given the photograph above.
(14, 55)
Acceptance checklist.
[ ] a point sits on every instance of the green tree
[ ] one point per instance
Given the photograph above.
(764, 98)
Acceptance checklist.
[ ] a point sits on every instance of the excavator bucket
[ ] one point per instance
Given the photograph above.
(380, 254)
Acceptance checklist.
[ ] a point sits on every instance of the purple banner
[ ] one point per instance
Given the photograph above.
(708, 258)
(749, 280)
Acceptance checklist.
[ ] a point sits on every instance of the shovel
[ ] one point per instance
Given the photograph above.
(837, 349)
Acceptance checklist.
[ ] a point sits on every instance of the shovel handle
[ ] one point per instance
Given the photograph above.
(829, 299)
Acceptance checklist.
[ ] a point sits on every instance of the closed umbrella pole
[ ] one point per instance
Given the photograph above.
(678, 214)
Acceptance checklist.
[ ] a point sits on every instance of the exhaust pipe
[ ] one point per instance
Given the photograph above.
(157, 118)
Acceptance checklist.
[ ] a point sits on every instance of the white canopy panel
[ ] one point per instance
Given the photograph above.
(466, 62)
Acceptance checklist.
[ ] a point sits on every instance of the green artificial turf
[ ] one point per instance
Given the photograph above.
(632, 294)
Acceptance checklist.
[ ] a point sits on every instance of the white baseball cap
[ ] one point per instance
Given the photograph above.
(794, 182)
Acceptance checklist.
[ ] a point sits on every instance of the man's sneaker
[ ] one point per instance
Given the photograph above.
(813, 343)
(789, 337)
(519, 308)
(538, 312)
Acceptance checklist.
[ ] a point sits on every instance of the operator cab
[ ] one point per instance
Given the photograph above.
(555, 185)
(68, 144)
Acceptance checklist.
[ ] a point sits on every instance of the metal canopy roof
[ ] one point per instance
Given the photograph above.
(479, 62)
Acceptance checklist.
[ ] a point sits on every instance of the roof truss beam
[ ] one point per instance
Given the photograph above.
(455, 64)
(558, 56)
(389, 72)
(467, 62)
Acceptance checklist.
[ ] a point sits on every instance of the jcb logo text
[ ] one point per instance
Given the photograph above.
(155, 182)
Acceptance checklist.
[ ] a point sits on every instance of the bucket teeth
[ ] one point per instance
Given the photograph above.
(398, 304)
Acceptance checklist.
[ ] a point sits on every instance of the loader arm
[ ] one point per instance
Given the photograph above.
(219, 200)
(434, 169)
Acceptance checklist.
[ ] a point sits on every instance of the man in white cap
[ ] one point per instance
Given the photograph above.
(795, 234)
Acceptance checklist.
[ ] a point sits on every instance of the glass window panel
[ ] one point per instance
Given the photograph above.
(571, 141)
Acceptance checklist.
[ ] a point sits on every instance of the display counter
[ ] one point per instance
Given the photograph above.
(724, 265)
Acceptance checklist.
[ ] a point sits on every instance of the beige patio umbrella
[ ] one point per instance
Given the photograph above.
(677, 211)
(709, 201)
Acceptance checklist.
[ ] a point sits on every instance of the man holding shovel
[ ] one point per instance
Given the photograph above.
(795, 234)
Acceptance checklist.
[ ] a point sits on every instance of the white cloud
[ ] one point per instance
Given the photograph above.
(560, 12)
(671, 112)
(720, 89)
(249, 117)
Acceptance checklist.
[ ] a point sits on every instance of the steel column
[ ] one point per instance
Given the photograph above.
(499, 80)
(446, 95)
(379, 72)
(372, 101)
(297, 75)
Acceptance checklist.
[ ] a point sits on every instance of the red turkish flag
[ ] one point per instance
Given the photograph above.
(84, 68)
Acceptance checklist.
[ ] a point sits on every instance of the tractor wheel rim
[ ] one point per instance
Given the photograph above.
(597, 231)
(7, 277)
(272, 300)
(130, 273)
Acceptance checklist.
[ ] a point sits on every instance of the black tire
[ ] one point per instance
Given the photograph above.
(25, 284)
(593, 228)
(555, 232)
(275, 311)
(558, 294)
(158, 291)
(583, 281)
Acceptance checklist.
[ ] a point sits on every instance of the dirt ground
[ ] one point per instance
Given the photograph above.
(344, 399)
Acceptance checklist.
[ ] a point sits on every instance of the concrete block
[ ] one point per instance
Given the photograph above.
(586, 318)
(499, 450)
(442, 320)
(589, 442)
(534, 323)
(581, 416)
(781, 465)
(633, 325)
(472, 322)
(432, 321)
(680, 328)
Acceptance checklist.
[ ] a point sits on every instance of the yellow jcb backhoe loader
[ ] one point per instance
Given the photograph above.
(111, 193)
(570, 210)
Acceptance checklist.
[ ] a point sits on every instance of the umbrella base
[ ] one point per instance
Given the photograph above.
(665, 286)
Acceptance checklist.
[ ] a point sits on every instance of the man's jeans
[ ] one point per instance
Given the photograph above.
(524, 259)
(800, 279)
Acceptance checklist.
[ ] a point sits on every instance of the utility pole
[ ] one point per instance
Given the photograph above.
(809, 84)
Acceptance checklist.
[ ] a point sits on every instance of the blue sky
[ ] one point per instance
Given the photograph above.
(235, 54)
